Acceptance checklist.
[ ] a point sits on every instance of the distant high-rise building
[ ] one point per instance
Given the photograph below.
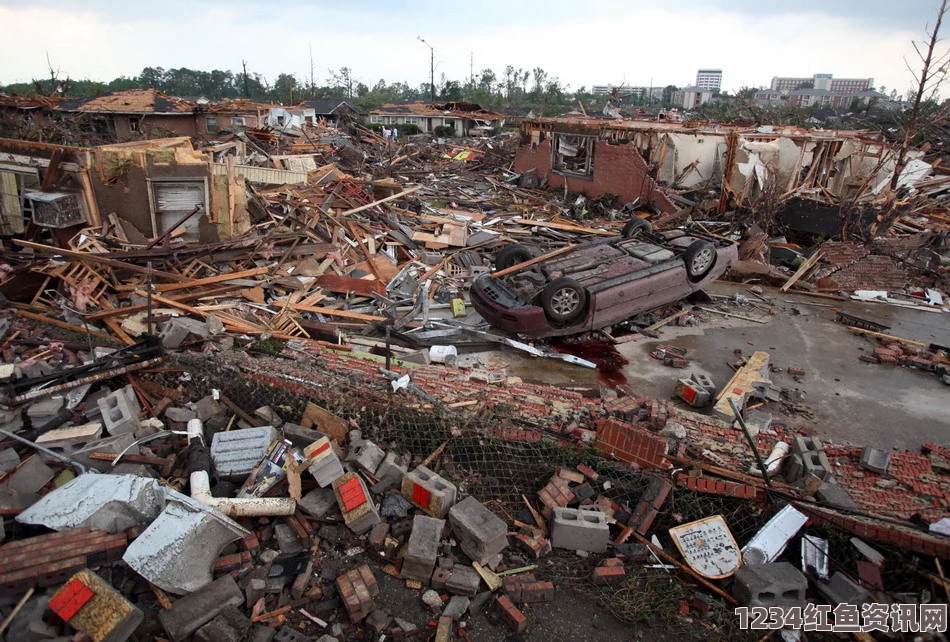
(838, 86)
(709, 79)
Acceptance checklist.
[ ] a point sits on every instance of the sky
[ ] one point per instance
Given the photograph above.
(632, 42)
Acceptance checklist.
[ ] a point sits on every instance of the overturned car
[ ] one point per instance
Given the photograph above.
(599, 283)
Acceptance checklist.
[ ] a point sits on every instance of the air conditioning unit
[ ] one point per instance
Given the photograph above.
(56, 209)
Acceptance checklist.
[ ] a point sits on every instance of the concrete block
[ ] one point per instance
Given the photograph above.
(193, 611)
(359, 512)
(841, 590)
(229, 626)
(180, 415)
(173, 334)
(875, 460)
(463, 580)
(428, 491)
(269, 416)
(758, 421)
(325, 466)
(253, 591)
(392, 467)
(365, 454)
(112, 503)
(31, 476)
(317, 502)
(45, 408)
(235, 453)
(814, 460)
(206, 408)
(779, 584)
(423, 548)
(480, 533)
(287, 540)
(299, 436)
(119, 415)
(456, 608)
(8, 459)
(579, 529)
(834, 495)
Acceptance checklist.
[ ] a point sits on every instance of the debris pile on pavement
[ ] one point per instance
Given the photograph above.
(302, 432)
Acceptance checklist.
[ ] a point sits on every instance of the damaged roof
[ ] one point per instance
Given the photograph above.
(457, 109)
(131, 101)
(327, 106)
(237, 106)
(29, 101)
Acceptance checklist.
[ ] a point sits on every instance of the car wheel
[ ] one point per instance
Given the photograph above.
(563, 300)
(634, 226)
(700, 257)
(512, 255)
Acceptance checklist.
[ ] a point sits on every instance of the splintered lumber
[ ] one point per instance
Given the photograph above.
(800, 272)
(96, 258)
(65, 326)
(166, 287)
(530, 262)
(888, 337)
(405, 192)
(347, 284)
(566, 227)
(359, 316)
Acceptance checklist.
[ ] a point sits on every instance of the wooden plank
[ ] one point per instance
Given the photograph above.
(62, 324)
(174, 304)
(380, 201)
(889, 337)
(346, 314)
(566, 227)
(95, 258)
(167, 287)
(530, 262)
(807, 265)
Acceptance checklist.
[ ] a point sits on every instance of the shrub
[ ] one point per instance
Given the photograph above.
(444, 131)
(405, 129)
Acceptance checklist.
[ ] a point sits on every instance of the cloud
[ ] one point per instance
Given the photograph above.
(634, 43)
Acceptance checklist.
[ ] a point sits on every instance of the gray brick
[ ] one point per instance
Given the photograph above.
(229, 626)
(481, 534)
(119, 415)
(365, 454)
(579, 529)
(193, 611)
(423, 548)
(317, 502)
(463, 580)
(779, 584)
(833, 495)
(173, 334)
(841, 590)
(875, 460)
(235, 453)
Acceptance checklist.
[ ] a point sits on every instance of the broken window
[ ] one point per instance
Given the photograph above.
(280, 120)
(574, 154)
(134, 124)
(211, 123)
(237, 120)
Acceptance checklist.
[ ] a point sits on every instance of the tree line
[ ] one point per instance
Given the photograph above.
(513, 87)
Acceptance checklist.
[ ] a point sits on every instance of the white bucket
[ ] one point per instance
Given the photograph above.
(443, 354)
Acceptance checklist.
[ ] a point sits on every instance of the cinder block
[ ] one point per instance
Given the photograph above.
(365, 454)
(393, 467)
(193, 611)
(92, 606)
(173, 334)
(118, 413)
(355, 503)
(463, 580)
(875, 460)
(230, 626)
(45, 408)
(841, 590)
(317, 502)
(579, 529)
(423, 548)
(325, 466)
(299, 436)
(235, 453)
(481, 534)
(814, 460)
(428, 491)
(834, 495)
(779, 584)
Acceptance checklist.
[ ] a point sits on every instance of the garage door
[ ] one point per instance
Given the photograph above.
(174, 199)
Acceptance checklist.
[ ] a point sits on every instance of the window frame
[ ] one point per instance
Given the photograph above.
(564, 168)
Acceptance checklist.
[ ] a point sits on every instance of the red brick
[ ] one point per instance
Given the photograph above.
(515, 619)
(604, 575)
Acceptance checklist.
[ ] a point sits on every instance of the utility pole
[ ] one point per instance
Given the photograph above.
(431, 67)
(471, 68)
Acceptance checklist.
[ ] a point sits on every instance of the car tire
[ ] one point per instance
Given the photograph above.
(700, 257)
(513, 255)
(634, 226)
(563, 300)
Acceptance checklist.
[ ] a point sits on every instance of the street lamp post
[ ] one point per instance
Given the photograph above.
(431, 67)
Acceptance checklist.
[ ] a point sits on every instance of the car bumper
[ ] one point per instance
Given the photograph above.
(523, 319)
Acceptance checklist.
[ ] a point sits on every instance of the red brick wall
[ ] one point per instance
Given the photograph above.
(632, 445)
(618, 170)
(154, 127)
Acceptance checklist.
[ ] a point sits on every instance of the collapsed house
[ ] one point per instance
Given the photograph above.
(638, 159)
(466, 118)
